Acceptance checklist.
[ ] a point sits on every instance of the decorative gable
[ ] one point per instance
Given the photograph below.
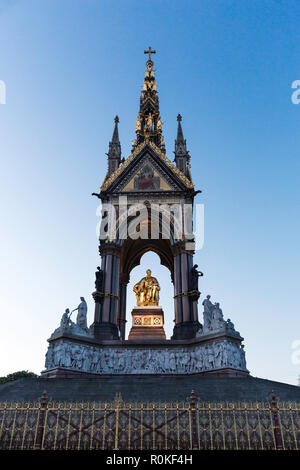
(147, 179)
(147, 168)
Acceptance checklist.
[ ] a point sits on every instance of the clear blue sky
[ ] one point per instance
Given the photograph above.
(227, 67)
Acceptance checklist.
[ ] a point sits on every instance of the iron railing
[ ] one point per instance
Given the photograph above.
(117, 425)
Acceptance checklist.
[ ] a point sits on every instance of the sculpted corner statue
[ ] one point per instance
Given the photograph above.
(147, 290)
(65, 319)
(81, 319)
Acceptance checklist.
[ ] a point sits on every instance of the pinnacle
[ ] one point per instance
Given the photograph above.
(180, 138)
(115, 137)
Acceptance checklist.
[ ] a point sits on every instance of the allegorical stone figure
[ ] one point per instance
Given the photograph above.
(149, 122)
(217, 317)
(147, 290)
(207, 313)
(49, 358)
(65, 319)
(81, 320)
(159, 125)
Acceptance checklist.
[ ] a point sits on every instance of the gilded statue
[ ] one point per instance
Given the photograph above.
(159, 125)
(138, 126)
(147, 290)
(149, 122)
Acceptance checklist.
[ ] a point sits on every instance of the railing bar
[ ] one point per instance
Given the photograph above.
(223, 430)
(142, 426)
(80, 427)
(198, 426)
(25, 426)
(259, 426)
(272, 428)
(129, 427)
(92, 430)
(235, 428)
(247, 426)
(68, 428)
(166, 428)
(104, 427)
(3, 420)
(293, 426)
(13, 427)
(117, 426)
(153, 426)
(178, 434)
(210, 427)
(280, 426)
(56, 427)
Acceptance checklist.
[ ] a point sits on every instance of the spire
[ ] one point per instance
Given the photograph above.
(180, 142)
(148, 121)
(114, 151)
(180, 138)
(115, 137)
(182, 157)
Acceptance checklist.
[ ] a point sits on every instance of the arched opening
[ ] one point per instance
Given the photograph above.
(133, 250)
(151, 260)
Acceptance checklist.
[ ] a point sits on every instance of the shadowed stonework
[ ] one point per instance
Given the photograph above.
(148, 388)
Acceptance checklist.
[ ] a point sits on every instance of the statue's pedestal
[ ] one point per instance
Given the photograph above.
(147, 323)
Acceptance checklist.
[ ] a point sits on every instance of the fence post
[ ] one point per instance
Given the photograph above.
(117, 404)
(41, 424)
(194, 423)
(274, 409)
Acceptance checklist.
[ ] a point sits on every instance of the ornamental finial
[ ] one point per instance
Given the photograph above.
(150, 51)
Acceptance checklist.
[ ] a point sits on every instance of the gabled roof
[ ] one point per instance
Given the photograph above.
(129, 163)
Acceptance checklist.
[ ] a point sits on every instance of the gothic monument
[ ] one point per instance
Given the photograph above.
(147, 205)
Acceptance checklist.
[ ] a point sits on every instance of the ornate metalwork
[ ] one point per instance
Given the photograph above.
(120, 425)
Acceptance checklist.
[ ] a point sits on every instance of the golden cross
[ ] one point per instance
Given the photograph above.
(150, 51)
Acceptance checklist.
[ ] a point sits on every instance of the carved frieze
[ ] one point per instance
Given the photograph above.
(212, 355)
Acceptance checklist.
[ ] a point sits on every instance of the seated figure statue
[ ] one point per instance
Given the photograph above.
(147, 290)
(218, 321)
(65, 319)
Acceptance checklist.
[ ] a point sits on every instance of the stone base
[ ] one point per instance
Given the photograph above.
(220, 353)
(104, 331)
(61, 372)
(143, 333)
(185, 330)
(147, 324)
(147, 389)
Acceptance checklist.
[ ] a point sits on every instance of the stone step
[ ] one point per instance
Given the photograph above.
(149, 388)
